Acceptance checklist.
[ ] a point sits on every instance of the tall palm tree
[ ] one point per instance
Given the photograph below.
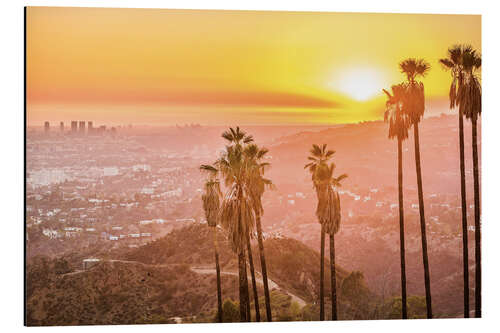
(414, 107)
(257, 187)
(211, 206)
(328, 213)
(237, 211)
(254, 283)
(236, 137)
(317, 165)
(398, 128)
(469, 99)
(453, 63)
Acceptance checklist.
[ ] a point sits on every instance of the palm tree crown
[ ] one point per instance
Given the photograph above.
(469, 93)
(236, 210)
(211, 197)
(414, 68)
(328, 210)
(257, 183)
(414, 100)
(237, 136)
(454, 64)
(318, 165)
(399, 122)
(465, 90)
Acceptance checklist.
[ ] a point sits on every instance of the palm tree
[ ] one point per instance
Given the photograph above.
(235, 217)
(328, 213)
(398, 128)
(414, 107)
(254, 283)
(469, 100)
(453, 63)
(257, 187)
(236, 211)
(211, 205)
(319, 158)
(236, 137)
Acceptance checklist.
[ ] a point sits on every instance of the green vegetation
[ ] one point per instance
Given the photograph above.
(282, 306)
(416, 307)
(230, 310)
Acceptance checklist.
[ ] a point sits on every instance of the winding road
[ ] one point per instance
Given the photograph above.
(204, 270)
(271, 283)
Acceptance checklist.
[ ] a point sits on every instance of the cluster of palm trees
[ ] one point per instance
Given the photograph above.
(405, 108)
(238, 211)
(328, 214)
(241, 168)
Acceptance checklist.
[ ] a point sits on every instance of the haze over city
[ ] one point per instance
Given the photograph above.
(189, 166)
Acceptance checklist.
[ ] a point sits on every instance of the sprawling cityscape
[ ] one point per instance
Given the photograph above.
(122, 189)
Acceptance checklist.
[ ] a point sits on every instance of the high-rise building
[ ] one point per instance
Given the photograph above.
(74, 126)
(61, 126)
(46, 126)
(81, 127)
(90, 127)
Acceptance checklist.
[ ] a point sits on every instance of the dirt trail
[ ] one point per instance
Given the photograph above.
(271, 283)
(128, 262)
(204, 270)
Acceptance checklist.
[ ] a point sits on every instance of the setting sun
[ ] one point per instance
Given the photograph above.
(157, 66)
(360, 84)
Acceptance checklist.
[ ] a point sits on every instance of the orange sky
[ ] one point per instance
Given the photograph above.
(152, 66)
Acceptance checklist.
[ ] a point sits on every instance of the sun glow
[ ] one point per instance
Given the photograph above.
(360, 84)
(214, 67)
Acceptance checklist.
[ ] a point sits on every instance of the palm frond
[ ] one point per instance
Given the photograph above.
(446, 63)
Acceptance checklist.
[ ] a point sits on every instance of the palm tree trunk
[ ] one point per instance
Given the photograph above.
(247, 293)
(333, 277)
(322, 277)
(254, 284)
(425, 257)
(465, 241)
(243, 278)
(477, 218)
(263, 268)
(217, 269)
(243, 285)
(404, 311)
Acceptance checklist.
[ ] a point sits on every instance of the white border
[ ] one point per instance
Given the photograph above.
(12, 138)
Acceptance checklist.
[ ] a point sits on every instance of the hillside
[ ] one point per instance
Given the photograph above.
(291, 264)
(121, 293)
(163, 280)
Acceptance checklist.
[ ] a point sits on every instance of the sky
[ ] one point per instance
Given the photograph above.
(167, 67)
